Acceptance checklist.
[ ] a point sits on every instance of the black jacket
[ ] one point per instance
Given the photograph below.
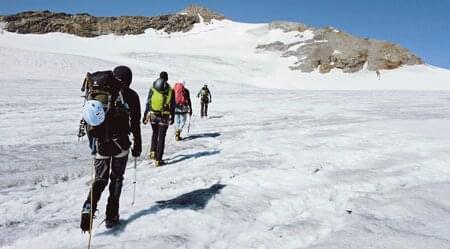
(111, 145)
(132, 99)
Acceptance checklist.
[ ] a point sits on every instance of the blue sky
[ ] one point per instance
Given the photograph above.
(423, 26)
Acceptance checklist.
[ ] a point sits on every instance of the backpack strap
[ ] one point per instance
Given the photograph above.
(121, 98)
(166, 106)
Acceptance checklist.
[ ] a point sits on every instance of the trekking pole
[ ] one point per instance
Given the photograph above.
(134, 182)
(189, 124)
(91, 218)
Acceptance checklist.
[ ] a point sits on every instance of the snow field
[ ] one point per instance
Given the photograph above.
(270, 168)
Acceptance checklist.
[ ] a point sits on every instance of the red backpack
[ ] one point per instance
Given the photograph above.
(180, 94)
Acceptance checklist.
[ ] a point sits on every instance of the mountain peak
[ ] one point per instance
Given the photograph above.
(205, 13)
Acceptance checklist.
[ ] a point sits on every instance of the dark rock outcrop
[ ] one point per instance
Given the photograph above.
(85, 25)
(330, 48)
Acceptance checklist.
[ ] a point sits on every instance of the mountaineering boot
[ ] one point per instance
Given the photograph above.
(85, 224)
(159, 163)
(111, 222)
(177, 135)
(152, 155)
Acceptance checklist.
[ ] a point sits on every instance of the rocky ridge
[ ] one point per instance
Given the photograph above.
(330, 48)
(85, 25)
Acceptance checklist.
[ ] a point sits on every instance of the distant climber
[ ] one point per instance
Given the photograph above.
(378, 74)
(183, 107)
(205, 98)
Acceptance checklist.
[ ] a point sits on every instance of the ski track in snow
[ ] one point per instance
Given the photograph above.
(267, 169)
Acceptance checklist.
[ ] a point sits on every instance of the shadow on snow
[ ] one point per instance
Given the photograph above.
(195, 200)
(183, 157)
(216, 116)
(202, 135)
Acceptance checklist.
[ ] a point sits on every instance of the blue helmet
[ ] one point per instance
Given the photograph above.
(93, 112)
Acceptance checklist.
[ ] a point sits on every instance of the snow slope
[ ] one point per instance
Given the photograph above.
(270, 168)
(227, 51)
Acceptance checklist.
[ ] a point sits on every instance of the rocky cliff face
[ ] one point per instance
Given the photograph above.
(85, 25)
(329, 48)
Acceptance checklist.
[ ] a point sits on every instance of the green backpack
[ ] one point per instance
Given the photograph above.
(160, 101)
(204, 93)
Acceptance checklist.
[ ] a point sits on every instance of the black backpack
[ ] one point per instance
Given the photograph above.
(105, 87)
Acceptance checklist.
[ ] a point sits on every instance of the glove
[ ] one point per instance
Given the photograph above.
(210, 101)
(146, 118)
(190, 113)
(135, 152)
(137, 148)
(172, 120)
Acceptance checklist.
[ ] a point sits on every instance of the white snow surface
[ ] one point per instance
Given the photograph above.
(274, 166)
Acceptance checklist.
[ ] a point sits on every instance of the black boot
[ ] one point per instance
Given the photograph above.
(111, 222)
(86, 217)
(177, 135)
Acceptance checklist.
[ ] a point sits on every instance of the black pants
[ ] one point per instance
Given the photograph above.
(158, 139)
(102, 174)
(204, 109)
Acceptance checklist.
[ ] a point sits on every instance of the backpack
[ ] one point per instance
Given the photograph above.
(104, 87)
(160, 101)
(204, 93)
(180, 94)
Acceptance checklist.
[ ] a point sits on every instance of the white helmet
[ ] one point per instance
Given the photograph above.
(93, 112)
(182, 82)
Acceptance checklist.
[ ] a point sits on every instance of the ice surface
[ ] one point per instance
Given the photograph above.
(271, 168)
